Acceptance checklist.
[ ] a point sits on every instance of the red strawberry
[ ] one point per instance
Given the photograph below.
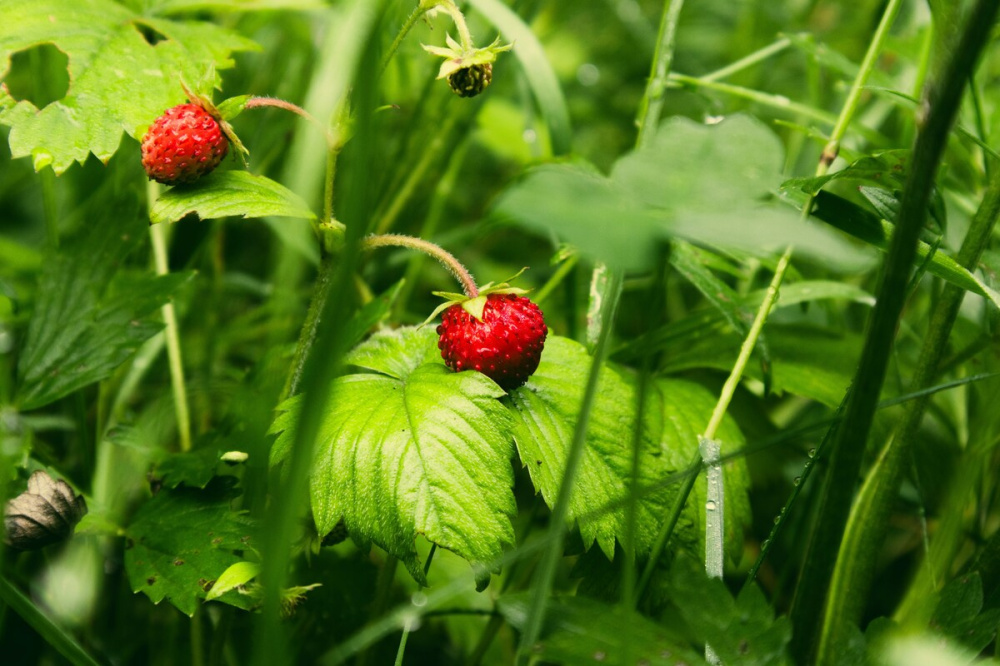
(183, 144)
(505, 344)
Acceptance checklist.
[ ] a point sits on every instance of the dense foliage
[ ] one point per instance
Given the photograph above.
(761, 430)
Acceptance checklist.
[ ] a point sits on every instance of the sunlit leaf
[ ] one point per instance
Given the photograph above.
(229, 194)
(412, 449)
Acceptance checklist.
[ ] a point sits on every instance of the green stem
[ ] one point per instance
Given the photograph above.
(565, 268)
(62, 641)
(446, 259)
(274, 102)
(847, 112)
(463, 29)
(870, 516)
(158, 235)
(849, 444)
(748, 60)
(652, 102)
(560, 511)
(411, 21)
(778, 102)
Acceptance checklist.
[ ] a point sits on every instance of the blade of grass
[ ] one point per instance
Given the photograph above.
(557, 522)
(849, 443)
(356, 45)
(53, 634)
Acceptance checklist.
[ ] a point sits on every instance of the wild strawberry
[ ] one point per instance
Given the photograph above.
(468, 69)
(504, 343)
(184, 144)
(472, 80)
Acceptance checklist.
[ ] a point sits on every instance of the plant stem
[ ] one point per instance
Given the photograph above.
(867, 525)
(748, 60)
(560, 511)
(158, 234)
(942, 102)
(565, 268)
(446, 259)
(274, 102)
(411, 21)
(832, 147)
(463, 29)
(652, 102)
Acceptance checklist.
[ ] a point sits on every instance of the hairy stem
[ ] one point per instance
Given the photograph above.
(446, 259)
(411, 21)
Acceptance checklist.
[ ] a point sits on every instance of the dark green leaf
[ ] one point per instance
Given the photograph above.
(229, 194)
(742, 630)
(860, 223)
(410, 449)
(583, 631)
(90, 317)
(194, 468)
(182, 540)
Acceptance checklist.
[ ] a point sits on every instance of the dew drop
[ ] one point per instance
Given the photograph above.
(710, 505)
(797, 480)
(812, 452)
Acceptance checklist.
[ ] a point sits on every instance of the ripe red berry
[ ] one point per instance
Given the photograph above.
(182, 145)
(505, 346)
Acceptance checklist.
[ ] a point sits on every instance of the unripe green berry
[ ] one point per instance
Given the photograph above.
(472, 80)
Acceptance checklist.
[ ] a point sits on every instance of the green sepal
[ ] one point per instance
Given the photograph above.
(475, 306)
(457, 58)
(232, 107)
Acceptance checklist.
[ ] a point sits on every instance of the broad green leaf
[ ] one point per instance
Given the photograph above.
(674, 188)
(412, 448)
(182, 540)
(237, 574)
(119, 81)
(579, 630)
(742, 630)
(545, 411)
(229, 194)
(680, 169)
(537, 70)
(90, 317)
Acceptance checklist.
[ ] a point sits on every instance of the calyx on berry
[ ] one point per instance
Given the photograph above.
(469, 70)
(499, 332)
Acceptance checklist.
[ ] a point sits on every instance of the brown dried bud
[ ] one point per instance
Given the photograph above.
(45, 513)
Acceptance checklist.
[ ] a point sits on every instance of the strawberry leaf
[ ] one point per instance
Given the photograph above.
(182, 540)
(105, 96)
(545, 411)
(229, 194)
(412, 448)
(90, 315)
